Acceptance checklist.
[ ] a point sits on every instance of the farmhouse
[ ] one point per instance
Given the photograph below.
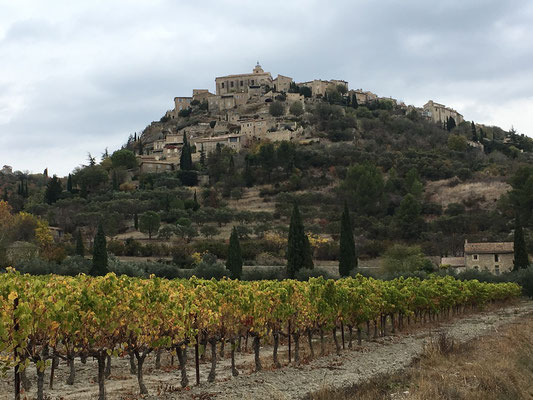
(494, 257)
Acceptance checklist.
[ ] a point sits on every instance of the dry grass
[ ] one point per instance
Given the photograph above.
(483, 194)
(495, 367)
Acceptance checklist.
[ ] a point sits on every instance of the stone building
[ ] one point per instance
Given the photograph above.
(282, 83)
(439, 113)
(7, 170)
(319, 87)
(241, 82)
(234, 141)
(254, 127)
(494, 257)
(201, 94)
(181, 103)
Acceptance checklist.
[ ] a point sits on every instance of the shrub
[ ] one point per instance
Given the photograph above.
(74, 265)
(260, 274)
(218, 248)
(276, 109)
(36, 266)
(304, 274)
(209, 268)
(116, 247)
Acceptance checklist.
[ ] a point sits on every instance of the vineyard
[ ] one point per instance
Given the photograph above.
(46, 318)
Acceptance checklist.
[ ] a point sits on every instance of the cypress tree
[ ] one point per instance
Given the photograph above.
(298, 250)
(247, 175)
(521, 258)
(347, 254)
(69, 183)
(114, 180)
(136, 221)
(234, 262)
(99, 267)
(185, 158)
(474, 133)
(26, 189)
(202, 156)
(80, 248)
(196, 205)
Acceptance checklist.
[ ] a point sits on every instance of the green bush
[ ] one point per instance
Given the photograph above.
(261, 274)
(218, 248)
(304, 274)
(73, 266)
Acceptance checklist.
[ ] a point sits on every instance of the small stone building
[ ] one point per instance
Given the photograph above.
(495, 257)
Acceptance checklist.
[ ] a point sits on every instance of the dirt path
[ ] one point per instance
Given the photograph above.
(385, 355)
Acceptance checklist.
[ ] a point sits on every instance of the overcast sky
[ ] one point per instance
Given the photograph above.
(80, 76)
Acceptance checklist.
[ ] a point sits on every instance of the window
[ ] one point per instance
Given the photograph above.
(231, 83)
(233, 139)
(476, 267)
(496, 258)
(475, 257)
(253, 82)
(497, 269)
(222, 85)
(241, 83)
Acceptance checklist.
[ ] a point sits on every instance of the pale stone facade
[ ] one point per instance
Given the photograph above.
(282, 83)
(201, 94)
(241, 82)
(319, 87)
(439, 113)
(235, 142)
(254, 127)
(181, 103)
(493, 257)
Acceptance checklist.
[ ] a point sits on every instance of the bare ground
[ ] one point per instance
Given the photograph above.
(383, 356)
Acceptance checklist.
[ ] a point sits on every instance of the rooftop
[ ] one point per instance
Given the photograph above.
(489, 247)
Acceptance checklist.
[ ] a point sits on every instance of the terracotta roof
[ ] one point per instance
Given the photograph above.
(453, 261)
(489, 247)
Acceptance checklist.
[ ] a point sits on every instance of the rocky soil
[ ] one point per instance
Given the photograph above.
(384, 355)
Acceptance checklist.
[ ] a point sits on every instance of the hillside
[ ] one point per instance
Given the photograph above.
(406, 179)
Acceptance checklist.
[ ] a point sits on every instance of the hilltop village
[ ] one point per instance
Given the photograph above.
(254, 107)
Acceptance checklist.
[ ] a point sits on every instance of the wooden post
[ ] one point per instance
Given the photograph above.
(197, 360)
(16, 329)
(289, 341)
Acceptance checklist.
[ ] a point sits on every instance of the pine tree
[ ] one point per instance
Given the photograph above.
(80, 248)
(99, 267)
(347, 253)
(298, 250)
(474, 133)
(521, 258)
(69, 183)
(234, 262)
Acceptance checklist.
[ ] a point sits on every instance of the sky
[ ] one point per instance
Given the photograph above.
(77, 77)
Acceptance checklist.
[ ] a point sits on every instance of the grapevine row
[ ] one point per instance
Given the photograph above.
(49, 317)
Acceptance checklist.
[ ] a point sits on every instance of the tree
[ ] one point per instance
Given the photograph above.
(247, 175)
(364, 187)
(521, 258)
(408, 219)
(202, 156)
(276, 109)
(80, 248)
(296, 108)
(400, 259)
(457, 143)
(347, 253)
(185, 158)
(69, 183)
(99, 267)
(53, 191)
(450, 123)
(298, 247)
(124, 158)
(234, 261)
(136, 221)
(149, 222)
(209, 231)
(474, 133)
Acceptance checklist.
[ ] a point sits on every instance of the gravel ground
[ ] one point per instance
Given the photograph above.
(385, 355)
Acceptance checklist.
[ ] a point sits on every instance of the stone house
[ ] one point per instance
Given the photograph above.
(282, 83)
(494, 257)
(439, 113)
(181, 103)
(156, 166)
(319, 87)
(201, 94)
(254, 127)
(234, 141)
